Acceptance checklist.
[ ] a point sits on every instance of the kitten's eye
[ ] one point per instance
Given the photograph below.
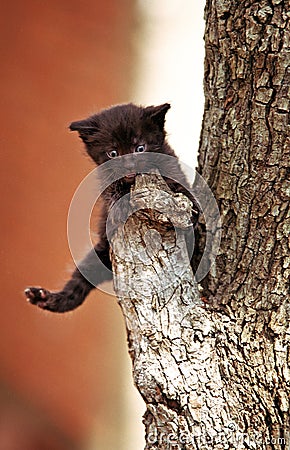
(140, 148)
(112, 154)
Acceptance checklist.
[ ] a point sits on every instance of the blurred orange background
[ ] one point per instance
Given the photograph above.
(61, 376)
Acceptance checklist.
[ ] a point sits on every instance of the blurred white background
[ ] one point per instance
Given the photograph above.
(170, 68)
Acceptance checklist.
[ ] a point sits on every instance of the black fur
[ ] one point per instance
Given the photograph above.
(123, 130)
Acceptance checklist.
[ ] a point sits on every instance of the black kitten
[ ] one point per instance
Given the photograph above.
(109, 135)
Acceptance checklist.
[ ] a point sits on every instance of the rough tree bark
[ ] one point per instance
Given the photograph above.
(216, 375)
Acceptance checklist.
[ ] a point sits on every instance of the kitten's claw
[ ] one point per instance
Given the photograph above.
(42, 293)
(29, 294)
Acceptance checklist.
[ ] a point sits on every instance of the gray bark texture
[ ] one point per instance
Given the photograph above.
(216, 374)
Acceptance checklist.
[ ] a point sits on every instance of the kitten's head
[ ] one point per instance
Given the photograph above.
(123, 130)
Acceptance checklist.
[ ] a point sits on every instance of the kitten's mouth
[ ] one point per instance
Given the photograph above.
(130, 177)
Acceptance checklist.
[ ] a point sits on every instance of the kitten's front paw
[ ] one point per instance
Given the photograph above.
(37, 296)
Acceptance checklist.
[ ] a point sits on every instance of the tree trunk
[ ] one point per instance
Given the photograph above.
(216, 375)
(244, 157)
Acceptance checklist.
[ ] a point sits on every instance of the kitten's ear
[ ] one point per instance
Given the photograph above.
(157, 114)
(85, 129)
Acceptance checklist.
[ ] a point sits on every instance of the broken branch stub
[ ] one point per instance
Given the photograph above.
(149, 251)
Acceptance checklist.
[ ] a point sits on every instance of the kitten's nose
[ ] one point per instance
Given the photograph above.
(129, 164)
(130, 167)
